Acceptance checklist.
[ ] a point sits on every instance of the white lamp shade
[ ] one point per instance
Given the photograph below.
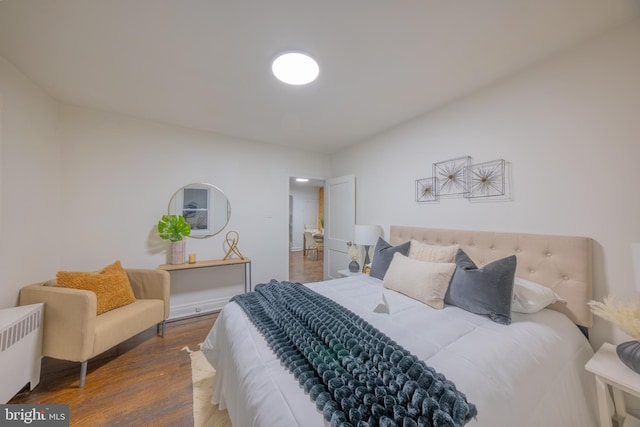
(366, 235)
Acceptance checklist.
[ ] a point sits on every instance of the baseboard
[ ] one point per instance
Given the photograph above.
(197, 308)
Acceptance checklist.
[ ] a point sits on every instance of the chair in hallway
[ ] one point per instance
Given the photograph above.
(318, 238)
(309, 243)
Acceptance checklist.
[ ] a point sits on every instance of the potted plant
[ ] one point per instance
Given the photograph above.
(174, 228)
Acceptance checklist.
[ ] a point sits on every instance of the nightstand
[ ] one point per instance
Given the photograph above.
(610, 371)
(347, 273)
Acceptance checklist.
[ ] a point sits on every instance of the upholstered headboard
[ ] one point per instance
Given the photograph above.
(561, 263)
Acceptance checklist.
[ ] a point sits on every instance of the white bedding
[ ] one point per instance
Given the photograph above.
(530, 373)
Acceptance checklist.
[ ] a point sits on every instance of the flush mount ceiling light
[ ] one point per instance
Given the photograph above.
(295, 68)
(302, 179)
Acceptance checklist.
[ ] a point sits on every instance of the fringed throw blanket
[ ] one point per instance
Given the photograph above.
(356, 375)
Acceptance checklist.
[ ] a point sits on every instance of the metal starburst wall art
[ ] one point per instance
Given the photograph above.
(451, 176)
(426, 190)
(486, 179)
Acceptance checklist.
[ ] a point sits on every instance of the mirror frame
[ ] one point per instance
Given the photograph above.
(200, 185)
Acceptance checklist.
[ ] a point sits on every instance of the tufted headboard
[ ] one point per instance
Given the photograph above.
(561, 263)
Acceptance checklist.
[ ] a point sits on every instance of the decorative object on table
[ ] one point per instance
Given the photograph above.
(627, 317)
(367, 236)
(353, 254)
(426, 190)
(174, 228)
(486, 179)
(232, 239)
(451, 177)
(192, 258)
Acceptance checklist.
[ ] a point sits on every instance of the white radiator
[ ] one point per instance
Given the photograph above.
(20, 348)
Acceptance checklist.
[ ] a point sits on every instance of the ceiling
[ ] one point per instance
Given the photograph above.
(205, 64)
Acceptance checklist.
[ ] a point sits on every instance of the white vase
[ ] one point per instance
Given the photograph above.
(177, 252)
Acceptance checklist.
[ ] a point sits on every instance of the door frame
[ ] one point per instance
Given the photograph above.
(288, 223)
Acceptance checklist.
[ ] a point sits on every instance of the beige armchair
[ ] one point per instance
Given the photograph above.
(72, 330)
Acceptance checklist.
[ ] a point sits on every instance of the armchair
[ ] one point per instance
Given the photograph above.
(72, 330)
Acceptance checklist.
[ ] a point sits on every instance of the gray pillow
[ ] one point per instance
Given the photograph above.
(487, 291)
(383, 255)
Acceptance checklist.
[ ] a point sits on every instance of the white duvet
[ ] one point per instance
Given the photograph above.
(530, 373)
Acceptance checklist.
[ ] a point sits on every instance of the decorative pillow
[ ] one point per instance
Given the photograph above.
(111, 286)
(432, 253)
(424, 281)
(531, 297)
(487, 291)
(382, 256)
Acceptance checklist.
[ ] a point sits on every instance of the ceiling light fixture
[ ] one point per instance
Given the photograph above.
(295, 68)
(302, 179)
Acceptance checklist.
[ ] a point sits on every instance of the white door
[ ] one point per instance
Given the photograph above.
(340, 219)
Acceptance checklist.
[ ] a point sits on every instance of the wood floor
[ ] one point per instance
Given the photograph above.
(146, 380)
(305, 269)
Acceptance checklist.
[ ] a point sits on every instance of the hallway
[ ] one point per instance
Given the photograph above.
(305, 269)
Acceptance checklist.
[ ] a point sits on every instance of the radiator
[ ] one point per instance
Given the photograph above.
(20, 348)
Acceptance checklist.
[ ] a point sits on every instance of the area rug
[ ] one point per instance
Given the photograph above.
(204, 413)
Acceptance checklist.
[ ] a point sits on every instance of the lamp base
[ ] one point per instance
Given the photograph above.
(366, 257)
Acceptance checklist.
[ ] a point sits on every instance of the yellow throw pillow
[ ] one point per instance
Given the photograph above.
(111, 286)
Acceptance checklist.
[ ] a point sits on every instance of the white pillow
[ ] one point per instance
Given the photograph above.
(531, 297)
(424, 281)
(432, 253)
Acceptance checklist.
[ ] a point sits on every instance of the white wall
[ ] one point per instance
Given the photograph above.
(571, 129)
(80, 188)
(119, 174)
(30, 229)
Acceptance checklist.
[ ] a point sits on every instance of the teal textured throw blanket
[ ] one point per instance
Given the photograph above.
(356, 375)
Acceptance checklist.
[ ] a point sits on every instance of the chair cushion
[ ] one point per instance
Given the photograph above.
(111, 286)
(120, 324)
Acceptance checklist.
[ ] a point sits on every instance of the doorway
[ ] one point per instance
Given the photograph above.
(306, 230)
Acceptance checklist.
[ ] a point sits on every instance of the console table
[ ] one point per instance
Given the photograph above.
(199, 303)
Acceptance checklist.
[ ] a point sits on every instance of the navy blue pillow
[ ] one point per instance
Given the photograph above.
(382, 256)
(487, 291)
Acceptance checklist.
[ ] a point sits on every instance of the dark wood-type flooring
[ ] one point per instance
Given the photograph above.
(144, 381)
(305, 269)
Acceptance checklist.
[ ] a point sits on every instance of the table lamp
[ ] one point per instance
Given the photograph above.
(367, 236)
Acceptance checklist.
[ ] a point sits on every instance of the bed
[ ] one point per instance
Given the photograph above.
(527, 373)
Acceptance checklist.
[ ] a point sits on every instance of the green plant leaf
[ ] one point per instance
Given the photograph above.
(173, 227)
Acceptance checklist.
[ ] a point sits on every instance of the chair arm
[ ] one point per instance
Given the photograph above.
(151, 284)
(69, 320)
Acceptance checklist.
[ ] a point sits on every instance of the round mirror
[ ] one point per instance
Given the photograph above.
(204, 206)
